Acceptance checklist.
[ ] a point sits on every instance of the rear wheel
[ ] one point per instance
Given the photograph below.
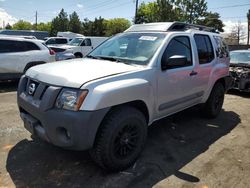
(213, 106)
(120, 139)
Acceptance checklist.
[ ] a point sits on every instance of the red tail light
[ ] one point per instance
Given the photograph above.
(52, 52)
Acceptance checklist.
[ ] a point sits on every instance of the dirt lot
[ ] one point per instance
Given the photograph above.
(184, 150)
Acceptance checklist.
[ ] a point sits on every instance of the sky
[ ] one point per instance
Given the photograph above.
(231, 11)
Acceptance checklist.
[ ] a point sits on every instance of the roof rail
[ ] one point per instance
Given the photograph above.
(180, 26)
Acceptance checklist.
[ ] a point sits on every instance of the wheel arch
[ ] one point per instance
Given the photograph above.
(31, 64)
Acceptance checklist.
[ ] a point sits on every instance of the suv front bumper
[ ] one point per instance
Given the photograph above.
(63, 128)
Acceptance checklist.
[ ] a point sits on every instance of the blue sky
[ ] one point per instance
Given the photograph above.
(12, 10)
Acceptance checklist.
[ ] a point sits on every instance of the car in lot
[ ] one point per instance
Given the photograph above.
(17, 55)
(57, 41)
(105, 102)
(81, 46)
(240, 69)
(62, 54)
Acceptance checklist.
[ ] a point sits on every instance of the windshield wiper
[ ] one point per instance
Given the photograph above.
(92, 57)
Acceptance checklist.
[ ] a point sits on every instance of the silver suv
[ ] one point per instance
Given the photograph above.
(105, 102)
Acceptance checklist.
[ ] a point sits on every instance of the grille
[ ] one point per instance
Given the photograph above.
(35, 89)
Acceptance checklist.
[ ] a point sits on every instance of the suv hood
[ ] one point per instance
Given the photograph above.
(74, 73)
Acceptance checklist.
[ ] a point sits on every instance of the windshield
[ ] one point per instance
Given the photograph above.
(130, 48)
(76, 41)
(240, 57)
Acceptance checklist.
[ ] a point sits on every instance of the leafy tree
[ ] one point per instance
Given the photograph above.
(116, 25)
(59, 23)
(8, 26)
(74, 23)
(22, 25)
(212, 20)
(192, 10)
(44, 27)
(94, 28)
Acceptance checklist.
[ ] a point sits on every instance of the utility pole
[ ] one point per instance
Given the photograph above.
(36, 21)
(136, 9)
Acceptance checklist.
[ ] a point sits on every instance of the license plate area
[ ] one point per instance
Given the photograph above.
(29, 122)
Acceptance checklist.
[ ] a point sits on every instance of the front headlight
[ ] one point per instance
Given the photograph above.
(70, 99)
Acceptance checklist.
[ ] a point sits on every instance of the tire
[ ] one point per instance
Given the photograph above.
(213, 106)
(78, 55)
(121, 139)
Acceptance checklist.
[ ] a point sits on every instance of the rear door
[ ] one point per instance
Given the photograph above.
(205, 56)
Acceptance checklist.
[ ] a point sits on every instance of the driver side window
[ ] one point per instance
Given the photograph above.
(179, 46)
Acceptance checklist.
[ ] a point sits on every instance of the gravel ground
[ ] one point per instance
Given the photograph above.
(183, 150)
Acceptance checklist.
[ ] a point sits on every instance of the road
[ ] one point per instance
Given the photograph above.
(184, 150)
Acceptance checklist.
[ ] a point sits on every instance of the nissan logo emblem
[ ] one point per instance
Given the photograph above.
(32, 88)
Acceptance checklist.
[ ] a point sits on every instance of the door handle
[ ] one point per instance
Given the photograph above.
(193, 73)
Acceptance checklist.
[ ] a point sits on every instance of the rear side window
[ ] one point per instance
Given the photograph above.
(86, 42)
(205, 48)
(222, 49)
(61, 41)
(31, 46)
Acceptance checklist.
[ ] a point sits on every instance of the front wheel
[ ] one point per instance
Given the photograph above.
(121, 139)
(213, 106)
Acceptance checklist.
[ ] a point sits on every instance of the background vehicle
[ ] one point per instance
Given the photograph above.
(69, 35)
(18, 54)
(38, 34)
(56, 41)
(105, 102)
(63, 54)
(81, 46)
(240, 69)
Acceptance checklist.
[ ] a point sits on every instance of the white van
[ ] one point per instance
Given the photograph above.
(81, 46)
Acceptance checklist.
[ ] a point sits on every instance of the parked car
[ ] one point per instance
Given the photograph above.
(19, 54)
(105, 102)
(240, 69)
(69, 34)
(56, 41)
(81, 46)
(63, 54)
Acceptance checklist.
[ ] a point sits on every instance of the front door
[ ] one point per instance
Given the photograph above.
(177, 88)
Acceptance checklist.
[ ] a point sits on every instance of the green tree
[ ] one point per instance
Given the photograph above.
(94, 28)
(59, 23)
(44, 27)
(212, 20)
(191, 10)
(116, 25)
(22, 25)
(8, 26)
(74, 23)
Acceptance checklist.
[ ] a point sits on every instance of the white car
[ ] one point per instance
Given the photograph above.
(19, 54)
(81, 46)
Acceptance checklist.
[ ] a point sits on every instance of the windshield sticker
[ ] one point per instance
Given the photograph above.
(150, 38)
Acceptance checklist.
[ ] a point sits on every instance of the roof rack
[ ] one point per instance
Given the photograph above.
(168, 26)
(180, 26)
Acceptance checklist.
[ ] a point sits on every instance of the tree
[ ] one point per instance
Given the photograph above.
(116, 25)
(94, 28)
(192, 10)
(59, 23)
(22, 25)
(158, 11)
(212, 20)
(238, 32)
(8, 26)
(248, 26)
(74, 23)
(44, 27)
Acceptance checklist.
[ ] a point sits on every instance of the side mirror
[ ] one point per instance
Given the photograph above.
(173, 62)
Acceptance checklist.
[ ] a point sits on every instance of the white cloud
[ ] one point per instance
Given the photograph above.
(2, 0)
(79, 5)
(6, 18)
